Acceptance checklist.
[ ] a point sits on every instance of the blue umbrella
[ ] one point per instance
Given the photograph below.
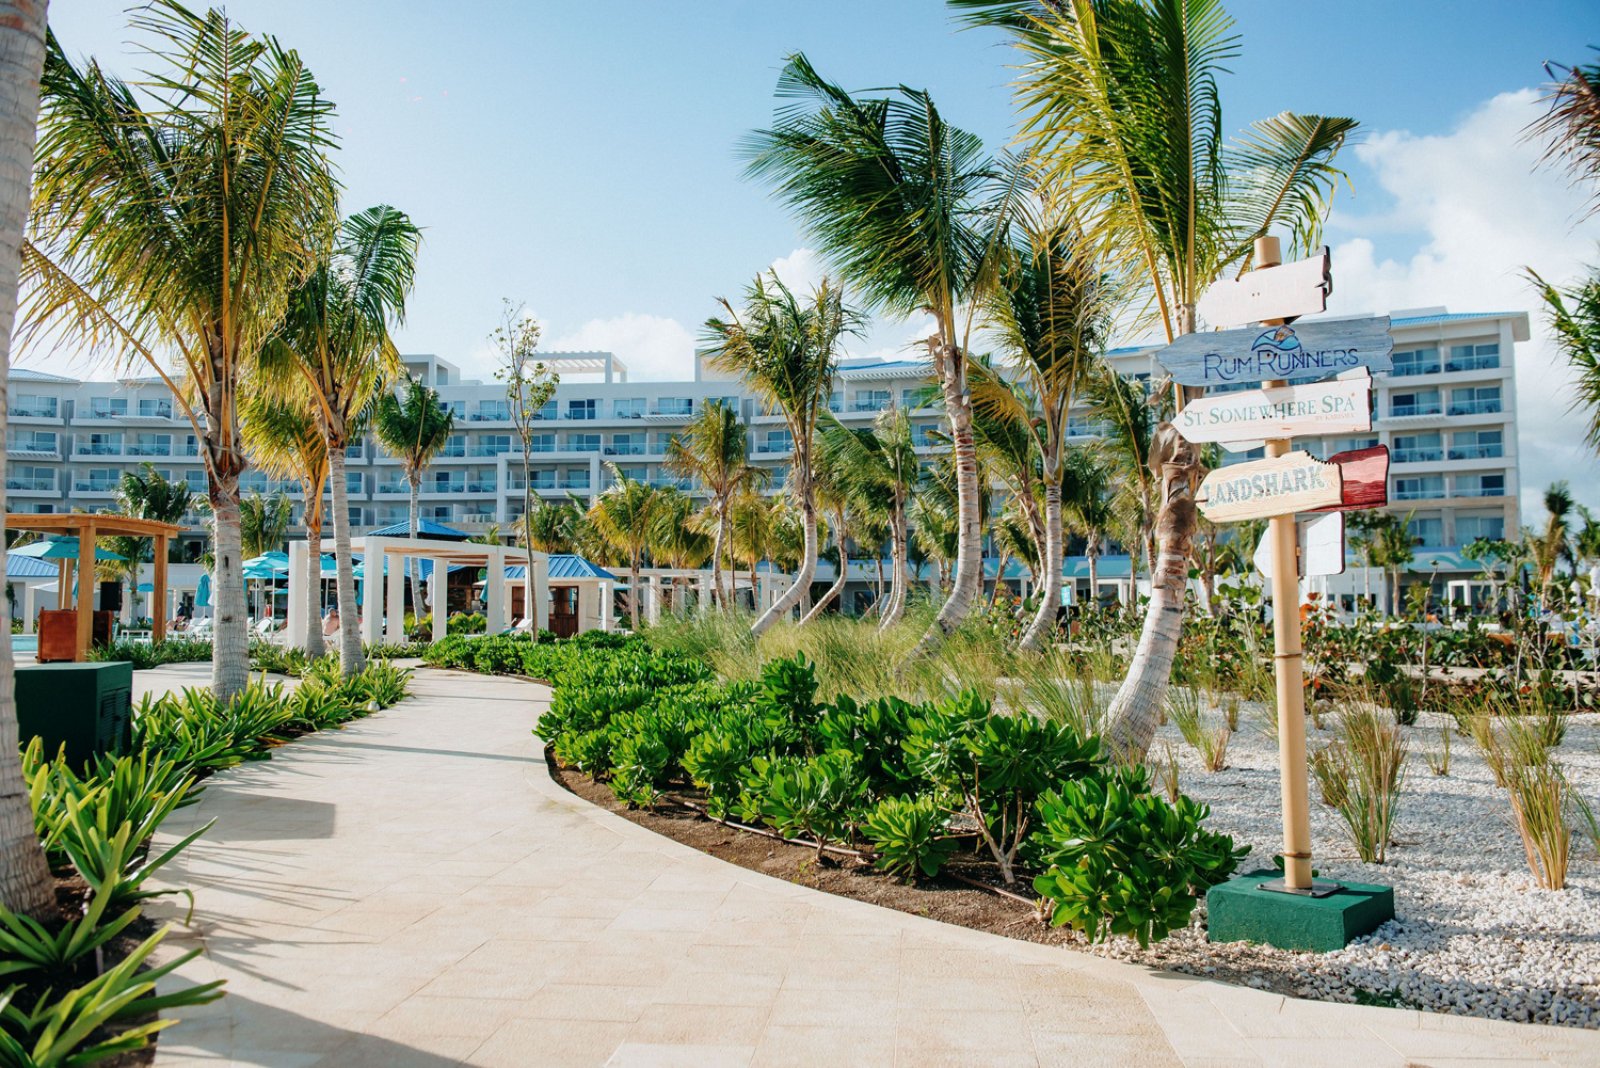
(202, 592)
(60, 549)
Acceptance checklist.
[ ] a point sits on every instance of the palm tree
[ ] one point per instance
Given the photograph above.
(1574, 317)
(837, 497)
(750, 533)
(146, 494)
(25, 883)
(415, 426)
(334, 349)
(171, 220)
(901, 202)
(1571, 124)
(552, 528)
(265, 522)
(625, 517)
(284, 440)
(1051, 313)
(786, 351)
(1122, 113)
(881, 471)
(1552, 544)
(714, 449)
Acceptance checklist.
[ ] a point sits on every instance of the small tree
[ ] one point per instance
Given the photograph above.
(529, 386)
(413, 426)
(147, 494)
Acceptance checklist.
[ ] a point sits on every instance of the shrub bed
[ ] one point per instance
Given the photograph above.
(79, 985)
(903, 786)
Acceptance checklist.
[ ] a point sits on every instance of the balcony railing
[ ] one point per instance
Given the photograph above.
(456, 451)
(481, 487)
(581, 413)
(1477, 452)
(663, 408)
(575, 483)
(768, 448)
(391, 487)
(583, 446)
(1407, 370)
(1482, 406)
(1418, 456)
(149, 449)
(491, 416)
(639, 449)
(1401, 411)
(105, 413)
(1470, 490)
(1418, 493)
(32, 485)
(491, 451)
(33, 448)
(95, 486)
(33, 411)
(100, 449)
(1473, 363)
(869, 405)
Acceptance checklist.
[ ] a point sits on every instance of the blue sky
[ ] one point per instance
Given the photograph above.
(581, 158)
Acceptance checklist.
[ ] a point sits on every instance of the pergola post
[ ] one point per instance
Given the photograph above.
(158, 592)
(439, 593)
(85, 619)
(372, 591)
(299, 558)
(607, 595)
(395, 632)
(494, 595)
(539, 589)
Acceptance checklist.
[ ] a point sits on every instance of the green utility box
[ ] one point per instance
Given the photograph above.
(1239, 910)
(86, 707)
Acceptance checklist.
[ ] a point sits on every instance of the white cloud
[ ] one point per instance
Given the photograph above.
(1484, 210)
(801, 270)
(654, 347)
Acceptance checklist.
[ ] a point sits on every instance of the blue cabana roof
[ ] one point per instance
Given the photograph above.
(426, 528)
(29, 567)
(565, 566)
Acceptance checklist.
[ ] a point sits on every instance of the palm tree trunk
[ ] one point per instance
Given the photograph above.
(1131, 719)
(413, 563)
(719, 596)
(877, 605)
(1044, 620)
(315, 646)
(25, 883)
(350, 657)
(808, 557)
(633, 592)
(969, 524)
(230, 633)
(899, 548)
(838, 584)
(1093, 552)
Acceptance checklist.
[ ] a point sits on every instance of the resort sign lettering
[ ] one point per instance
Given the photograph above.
(1300, 353)
(1260, 489)
(1336, 407)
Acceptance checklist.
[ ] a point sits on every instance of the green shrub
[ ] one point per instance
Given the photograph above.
(146, 655)
(815, 797)
(1120, 860)
(908, 834)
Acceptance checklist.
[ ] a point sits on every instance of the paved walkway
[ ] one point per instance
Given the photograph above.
(415, 890)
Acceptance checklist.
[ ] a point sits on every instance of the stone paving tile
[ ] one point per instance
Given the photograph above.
(400, 893)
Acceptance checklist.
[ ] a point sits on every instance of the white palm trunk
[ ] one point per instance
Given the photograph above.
(900, 579)
(413, 562)
(350, 656)
(25, 883)
(838, 584)
(802, 579)
(1044, 620)
(315, 646)
(964, 590)
(230, 631)
(719, 595)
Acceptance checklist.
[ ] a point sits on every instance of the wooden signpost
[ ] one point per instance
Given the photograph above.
(1280, 353)
(1336, 407)
(1285, 292)
(1279, 485)
(1287, 482)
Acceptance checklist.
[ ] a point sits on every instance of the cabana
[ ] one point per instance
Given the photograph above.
(87, 527)
(581, 593)
(382, 583)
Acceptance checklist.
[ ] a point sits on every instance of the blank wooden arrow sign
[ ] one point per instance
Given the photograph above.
(1300, 353)
(1279, 412)
(1321, 547)
(1285, 292)
(1280, 485)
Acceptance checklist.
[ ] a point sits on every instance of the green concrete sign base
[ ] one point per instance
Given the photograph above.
(1239, 910)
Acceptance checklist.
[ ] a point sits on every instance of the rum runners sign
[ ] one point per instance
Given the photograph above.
(1300, 353)
(1281, 485)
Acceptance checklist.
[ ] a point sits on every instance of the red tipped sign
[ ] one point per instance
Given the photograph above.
(1364, 475)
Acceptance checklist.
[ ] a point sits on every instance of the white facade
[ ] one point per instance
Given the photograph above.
(1447, 413)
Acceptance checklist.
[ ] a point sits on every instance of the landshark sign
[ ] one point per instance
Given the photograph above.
(1340, 406)
(1301, 353)
(1280, 485)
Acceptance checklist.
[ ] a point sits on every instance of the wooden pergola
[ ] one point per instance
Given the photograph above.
(88, 527)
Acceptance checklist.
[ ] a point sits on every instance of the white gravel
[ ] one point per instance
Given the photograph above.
(1473, 934)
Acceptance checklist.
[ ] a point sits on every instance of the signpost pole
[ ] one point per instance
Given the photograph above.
(1287, 667)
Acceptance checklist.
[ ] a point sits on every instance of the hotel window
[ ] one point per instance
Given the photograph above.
(32, 441)
(1471, 526)
(871, 400)
(1416, 362)
(109, 444)
(1419, 488)
(1493, 485)
(777, 441)
(155, 409)
(1416, 402)
(635, 474)
(835, 401)
(493, 411)
(1477, 444)
(1351, 444)
(628, 445)
(107, 407)
(911, 397)
(24, 477)
(457, 408)
(1418, 448)
(629, 408)
(926, 434)
(500, 444)
(1475, 400)
(546, 412)
(455, 445)
(541, 443)
(575, 478)
(34, 405)
(581, 409)
(675, 406)
(583, 442)
(1473, 357)
(353, 482)
(1428, 530)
